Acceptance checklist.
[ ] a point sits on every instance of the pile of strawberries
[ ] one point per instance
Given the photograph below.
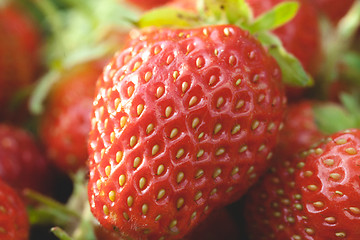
(205, 119)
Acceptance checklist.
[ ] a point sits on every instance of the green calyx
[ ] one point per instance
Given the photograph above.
(239, 13)
(333, 117)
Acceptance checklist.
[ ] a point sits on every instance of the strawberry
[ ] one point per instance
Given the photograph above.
(65, 122)
(179, 128)
(315, 195)
(14, 223)
(148, 4)
(22, 163)
(299, 34)
(19, 49)
(333, 9)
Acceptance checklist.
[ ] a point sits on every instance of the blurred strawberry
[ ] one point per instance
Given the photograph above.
(148, 4)
(19, 52)
(22, 163)
(65, 122)
(14, 223)
(333, 9)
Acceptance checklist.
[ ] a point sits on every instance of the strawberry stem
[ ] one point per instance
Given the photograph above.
(60, 233)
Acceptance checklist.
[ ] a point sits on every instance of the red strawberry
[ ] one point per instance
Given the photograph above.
(19, 47)
(333, 9)
(300, 129)
(148, 4)
(22, 163)
(183, 123)
(314, 196)
(65, 122)
(14, 223)
(300, 36)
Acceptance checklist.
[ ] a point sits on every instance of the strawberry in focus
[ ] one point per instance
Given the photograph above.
(315, 195)
(184, 121)
(14, 223)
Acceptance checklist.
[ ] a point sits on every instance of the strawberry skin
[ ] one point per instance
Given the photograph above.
(300, 36)
(313, 196)
(22, 163)
(14, 223)
(183, 122)
(65, 123)
(333, 9)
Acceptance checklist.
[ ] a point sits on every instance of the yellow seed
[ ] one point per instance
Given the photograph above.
(308, 173)
(161, 194)
(98, 185)
(133, 141)
(330, 220)
(184, 87)
(106, 122)
(192, 101)
(355, 210)
(198, 195)
(112, 196)
(220, 102)
(175, 75)
(179, 153)
(229, 189)
(157, 50)
(341, 141)
(312, 187)
(180, 202)
(174, 132)
(155, 149)
(122, 180)
(329, 162)
(195, 122)
(172, 223)
(160, 169)
(199, 62)
(255, 125)
(239, 104)
(142, 182)
(108, 170)
(169, 59)
(180, 177)
(217, 128)
(235, 171)
(140, 109)
(318, 204)
(144, 208)
(212, 80)
(168, 111)
(226, 31)
(136, 66)
(235, 129)
(335, 176)
(148, 75)
(106, 210)
(123, 120)
(158, 217)
(213, 191)
(339, 193)
(126, 216)
(351, 151)
(137, 162)
(340, 234)
(220, 151)
(309, 231)
(102, 153)
(117, 103)
(159, 92)
(119, 156)
(130, 91)
(232, 60)
(262, 147)
(130, 201)
(200, 153)
(149, 128)
(217, 172)
(112, 137)
(243, 149)
(201, 135)
(199, 173)
(238, 82)
(319, 151)
(271, 126)
(193, 215)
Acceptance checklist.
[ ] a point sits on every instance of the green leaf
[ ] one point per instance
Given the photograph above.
(331, 118)
(293, 73)
(276, 17)
(350, 23)
(168, 17)
(60, 233)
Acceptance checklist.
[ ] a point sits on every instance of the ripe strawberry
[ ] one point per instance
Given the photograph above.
(333, 9)
(65, 122)
(300, 129)
(19, 47)
(313, 196)
(148, 4)
(22, 163)
(14, 222)
(183, 122)
(300, 36)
